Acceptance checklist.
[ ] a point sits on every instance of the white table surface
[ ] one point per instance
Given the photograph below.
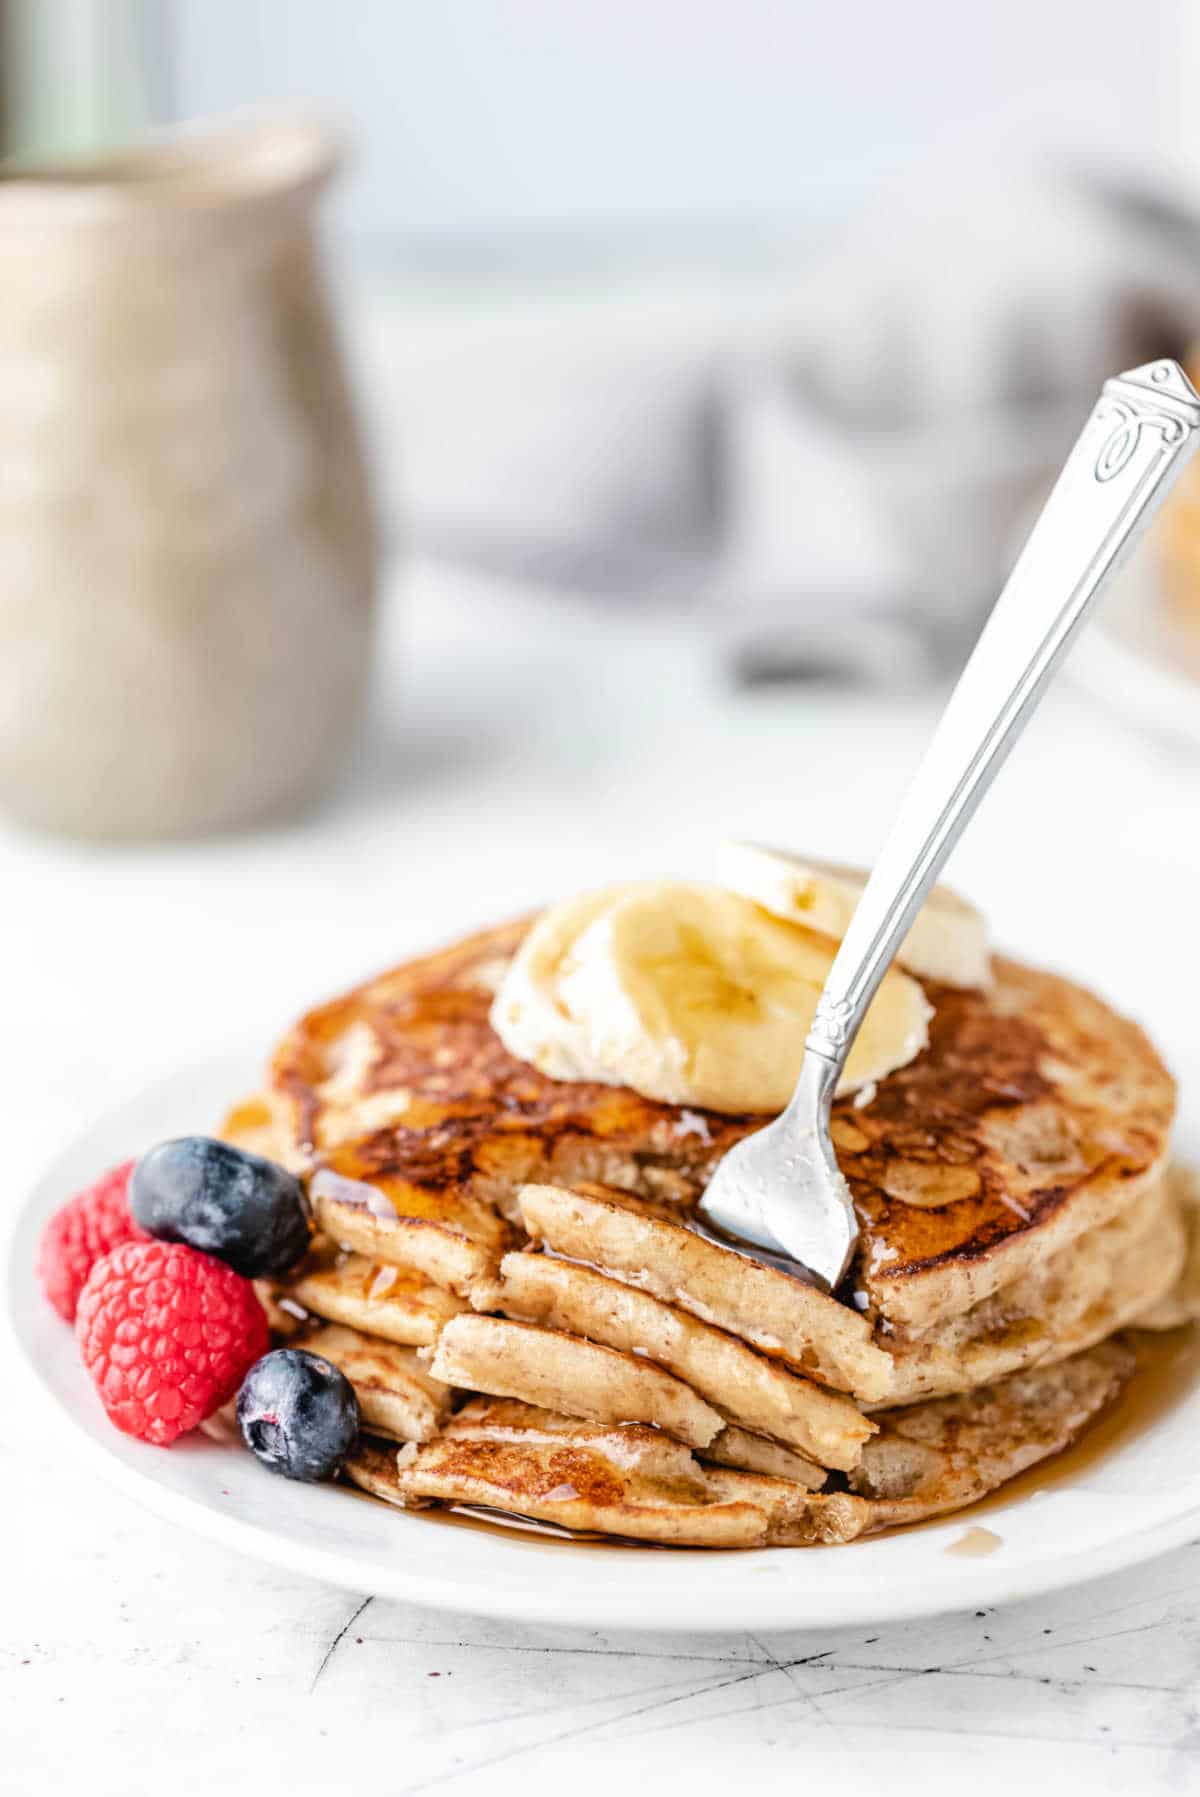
(519, 750)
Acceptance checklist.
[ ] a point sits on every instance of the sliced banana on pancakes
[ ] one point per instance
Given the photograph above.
(947, 943)
(689, 994)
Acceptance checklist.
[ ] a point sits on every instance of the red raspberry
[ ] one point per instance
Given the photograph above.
(86, 1227)
(168, 1334)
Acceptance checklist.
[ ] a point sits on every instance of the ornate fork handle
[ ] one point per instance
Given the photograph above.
(1134, 445)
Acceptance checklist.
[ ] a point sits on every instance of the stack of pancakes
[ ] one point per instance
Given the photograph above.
(505, 1272)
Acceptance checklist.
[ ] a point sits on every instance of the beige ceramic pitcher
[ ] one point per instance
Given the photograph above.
(186, 548)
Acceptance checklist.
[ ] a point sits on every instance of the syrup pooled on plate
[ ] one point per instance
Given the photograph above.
(975, 1544)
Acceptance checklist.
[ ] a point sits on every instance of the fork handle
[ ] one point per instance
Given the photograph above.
(1131, 450)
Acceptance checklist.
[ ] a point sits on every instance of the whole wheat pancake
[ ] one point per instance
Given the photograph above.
(751, 1453)
(748, 1388)
(1179, 1303)
(938, 1456)
(564, 1372)
(1102, 1281)
(455, 1242)
(404, 1085)
(635, 1482)
(395, 1303)
(646, 1248)
(1094, 1286)
(1034, 1115)
(397, 1395)
(733, 1447)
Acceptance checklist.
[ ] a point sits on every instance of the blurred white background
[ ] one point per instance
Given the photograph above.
(782, 312)
(487, 127)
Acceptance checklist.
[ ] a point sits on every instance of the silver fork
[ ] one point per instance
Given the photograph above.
(779, 1196)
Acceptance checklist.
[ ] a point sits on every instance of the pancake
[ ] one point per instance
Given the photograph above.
(403, 1085)
(564, 1372)
(456, 1242)
(396, 1393)
(733, 1447)
(1094, 1286)
(777, 1314)
(631, 1482)
(751, 1453)
(748, 1388)
(637, 1483)
(395, 1303)
(1034, 1115)
(1179, 1303)
(1105, 1280)
(936, 1457)
(404, 1081)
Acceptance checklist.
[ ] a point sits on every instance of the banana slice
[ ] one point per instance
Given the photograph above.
(948, 942)
(689, 994)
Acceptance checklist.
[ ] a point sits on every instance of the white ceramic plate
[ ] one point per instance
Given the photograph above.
(1124, 1508)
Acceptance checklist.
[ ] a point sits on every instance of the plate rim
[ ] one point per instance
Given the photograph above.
(757, 1603)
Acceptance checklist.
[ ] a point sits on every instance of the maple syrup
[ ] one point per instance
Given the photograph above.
(975, 1543)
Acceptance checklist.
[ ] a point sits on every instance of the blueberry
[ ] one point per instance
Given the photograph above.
(298, 1414)
(247, 1211)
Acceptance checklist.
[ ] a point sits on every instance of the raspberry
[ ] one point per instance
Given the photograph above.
(80, 1232)
(167, 1335)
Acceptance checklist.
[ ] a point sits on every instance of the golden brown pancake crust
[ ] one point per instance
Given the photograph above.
(1034, 1110)
(479, 1118)
(1028, 1100)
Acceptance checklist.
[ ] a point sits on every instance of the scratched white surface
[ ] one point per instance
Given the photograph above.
(520, 750)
